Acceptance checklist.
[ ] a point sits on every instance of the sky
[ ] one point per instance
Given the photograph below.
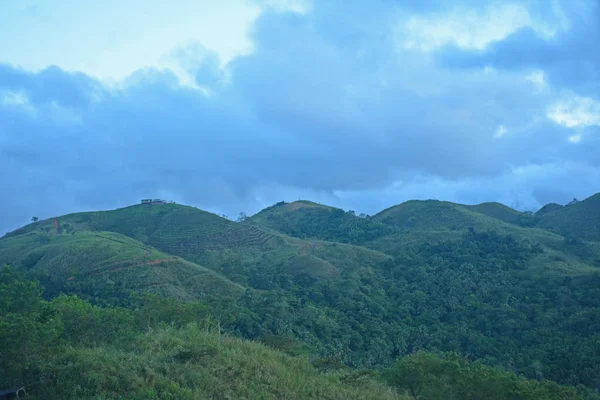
(232, 106)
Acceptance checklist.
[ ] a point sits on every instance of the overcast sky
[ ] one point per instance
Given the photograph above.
(234, 105)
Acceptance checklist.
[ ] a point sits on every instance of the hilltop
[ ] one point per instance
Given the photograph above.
(578, 220)
(105, 265)
(308, 220)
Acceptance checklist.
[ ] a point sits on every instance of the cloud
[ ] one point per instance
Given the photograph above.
(575, 112)
(327, 106)
(465, 27)
(569, 59)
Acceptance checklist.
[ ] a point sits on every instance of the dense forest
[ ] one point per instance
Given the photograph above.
(423, 300)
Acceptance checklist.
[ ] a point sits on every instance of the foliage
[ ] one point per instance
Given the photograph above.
(308, 220)
(580, 219)
(70, 349)
(429, 376)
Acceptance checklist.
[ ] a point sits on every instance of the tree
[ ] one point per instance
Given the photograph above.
(242, 217)
(34, 219)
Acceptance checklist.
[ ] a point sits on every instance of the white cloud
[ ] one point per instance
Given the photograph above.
(297, 6)
(470, 29)
(500, 131)
(575, 112)
(18, 100)
(112, 39)
(14, 98)
(538, 79)
(575, 138)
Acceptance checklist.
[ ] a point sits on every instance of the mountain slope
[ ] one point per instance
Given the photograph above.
(438, 276)
(307, 220)
(195, 364)
(578, 220)
(100, 264)
(503, 213)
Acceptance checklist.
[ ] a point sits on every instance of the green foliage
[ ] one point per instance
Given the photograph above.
(308, 220)
(428, 376)
(104, 267)
(29, 331)
(162, 349)
(580, 219)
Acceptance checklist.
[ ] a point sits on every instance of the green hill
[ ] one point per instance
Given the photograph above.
(578, 220)
(194, 364)
(435, 215)
(307, 220)
(431, 221)
(550, 207)
(503, 213)
(423, 275)
(107, 264)
(170, 227)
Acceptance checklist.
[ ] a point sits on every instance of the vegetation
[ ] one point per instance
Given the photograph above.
(307, 220)
(579, 220)
(69, 349)
(413, 293)
(427, 375)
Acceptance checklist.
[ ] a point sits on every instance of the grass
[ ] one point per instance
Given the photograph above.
(88, 262)
(192, 363)
(579, 220)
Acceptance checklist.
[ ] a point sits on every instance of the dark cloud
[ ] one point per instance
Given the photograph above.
(326, 107)
(570, 59)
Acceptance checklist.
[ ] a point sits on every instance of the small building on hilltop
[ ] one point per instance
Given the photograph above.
(153, 201)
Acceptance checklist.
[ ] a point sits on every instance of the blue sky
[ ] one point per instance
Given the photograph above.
(232, 106)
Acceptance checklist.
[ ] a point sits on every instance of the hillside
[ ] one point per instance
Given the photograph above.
(580, 220)
(170, 227)
(307, 220)
(423, 275)
(503, 213)
(104, 265)
(161, 349)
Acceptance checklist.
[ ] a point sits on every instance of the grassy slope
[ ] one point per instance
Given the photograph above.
(415, 222)
(188, 235)
(89, 262)
(234, 249)
(192, 363)
(581, 220)
(306, 220)
(501, 212)
(412, 222)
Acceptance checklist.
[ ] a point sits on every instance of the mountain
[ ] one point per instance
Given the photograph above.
(548, 208)
(578, 220)
(308, 220)
(499, 286)
(101, 264)
(503, 213)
